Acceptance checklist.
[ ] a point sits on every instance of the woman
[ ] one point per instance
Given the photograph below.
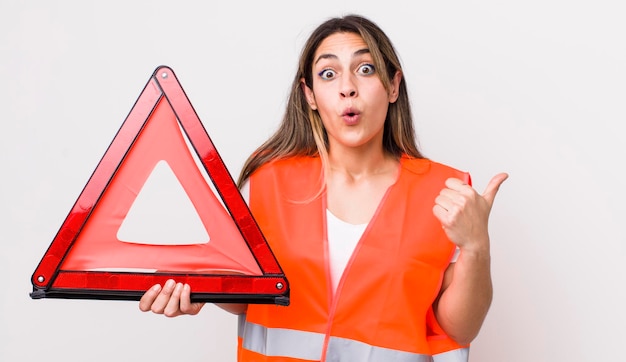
(387, 252)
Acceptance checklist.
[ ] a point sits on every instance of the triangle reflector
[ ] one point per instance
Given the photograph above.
(161, 204)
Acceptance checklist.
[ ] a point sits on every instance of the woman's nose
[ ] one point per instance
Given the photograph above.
(348, 93)
(348, 89)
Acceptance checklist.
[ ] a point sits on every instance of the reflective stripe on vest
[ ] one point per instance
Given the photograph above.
(457, 355)
(280, 342)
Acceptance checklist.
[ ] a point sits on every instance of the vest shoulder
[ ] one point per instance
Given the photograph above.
(291, 163)
(424, 166)
(296, 178)
(296, 170)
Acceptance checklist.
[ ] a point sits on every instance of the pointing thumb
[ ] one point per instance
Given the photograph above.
(494, 185)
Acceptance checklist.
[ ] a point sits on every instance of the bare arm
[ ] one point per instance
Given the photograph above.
(233, 308)
(467, 289)
(465, 298)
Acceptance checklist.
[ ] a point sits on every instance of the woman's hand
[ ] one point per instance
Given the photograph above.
(171, 300)
(464, 213)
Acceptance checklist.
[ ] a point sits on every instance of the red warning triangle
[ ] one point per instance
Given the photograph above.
(94, 256)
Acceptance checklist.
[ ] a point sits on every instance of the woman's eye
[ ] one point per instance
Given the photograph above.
(326, 74)
(367, 69)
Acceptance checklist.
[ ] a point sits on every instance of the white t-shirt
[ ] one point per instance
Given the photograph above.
(342, 240)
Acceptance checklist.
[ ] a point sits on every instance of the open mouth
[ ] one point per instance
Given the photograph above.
(350, 112)
(351, 117)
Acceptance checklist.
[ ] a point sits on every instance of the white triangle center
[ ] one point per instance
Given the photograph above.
(162, 213)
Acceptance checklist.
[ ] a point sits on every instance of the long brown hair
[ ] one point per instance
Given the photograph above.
(301, 132)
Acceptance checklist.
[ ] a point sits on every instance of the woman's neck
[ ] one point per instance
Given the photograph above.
(357, 182)
(360, 164)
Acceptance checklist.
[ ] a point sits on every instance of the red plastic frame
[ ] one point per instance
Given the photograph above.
(51, 281)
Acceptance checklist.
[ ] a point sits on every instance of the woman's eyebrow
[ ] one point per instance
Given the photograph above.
(362, 51)
(333, 56)
(325, 56)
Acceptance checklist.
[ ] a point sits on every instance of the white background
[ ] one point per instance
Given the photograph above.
(533, 88)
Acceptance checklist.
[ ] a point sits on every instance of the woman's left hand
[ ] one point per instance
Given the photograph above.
(464, 213)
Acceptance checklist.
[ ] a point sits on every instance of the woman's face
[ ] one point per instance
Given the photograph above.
(347, 92)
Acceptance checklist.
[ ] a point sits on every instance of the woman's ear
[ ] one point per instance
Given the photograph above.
(394, 90)
(308, 93)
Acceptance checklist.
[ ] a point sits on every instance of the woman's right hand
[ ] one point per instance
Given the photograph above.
(171, 300)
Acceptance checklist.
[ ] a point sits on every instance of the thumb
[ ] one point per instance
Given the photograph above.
(494, 185)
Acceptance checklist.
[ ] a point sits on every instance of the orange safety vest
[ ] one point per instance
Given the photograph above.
(382, 309)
